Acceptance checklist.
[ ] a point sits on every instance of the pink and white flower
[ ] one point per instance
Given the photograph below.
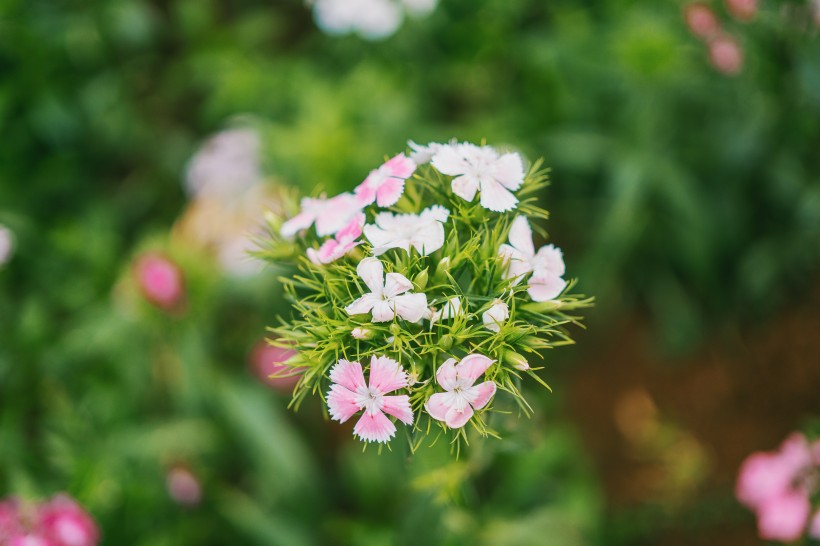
(346, 239)
(482, 168)
(64, 523)
(389, 296)
(385, 185)
(329, 215)
(546, 265)
(424, 231)
(349, 394)
(495, 316)
(456, 405)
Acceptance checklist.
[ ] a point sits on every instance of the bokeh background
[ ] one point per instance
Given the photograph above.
(685, 192)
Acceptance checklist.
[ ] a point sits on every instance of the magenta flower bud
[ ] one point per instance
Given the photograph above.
(160, 281)
(701, 20)
(726, 55)
(266, 361)
(64, 523)
(183, 486)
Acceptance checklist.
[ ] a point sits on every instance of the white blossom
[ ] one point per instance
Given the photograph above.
(389, 295)
(546, 265)
(495, 316)
(424, 231)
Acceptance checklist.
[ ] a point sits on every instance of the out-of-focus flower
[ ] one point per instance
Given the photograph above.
(456, 405)
(30, 539)
(6, 245)
(743, 10)
(345, 240)
(349, 394)
(329, 215)
(778, 485)
(10, 524)
(267, 363)
(423, 231)
(160, 281)
(183, 486)
(388, 296)
(385, 185)
(814, 528)
(726, 55)
(371, 19)
(546, 265)
(495, 316)
(482, 168)
(64, 523)
(701, 20)
(419, 7)
(225, 166)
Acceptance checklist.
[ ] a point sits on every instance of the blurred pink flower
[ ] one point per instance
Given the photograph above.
(329, 215)
(743, 10)
(10, 524)
(455, 406)
(726, 55)
(783, 517)
(701, 20)
(64, 523)
(183, 486)
(349, 394)
(266, 363)
(160, 281)
(346, 239)
(814, 527)
(385, 185)
(29, 539)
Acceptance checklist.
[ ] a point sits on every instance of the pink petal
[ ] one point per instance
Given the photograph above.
(472, 367)
(398, 407)
(457, 418)
(390, 192)
(465, 186)
(496, 197)
(446, 375)
(439, 404)
(814, 528)
(383, 311)
(509, 171)
(784, 517)
(348, 374)
(371, 271)
(352, 230)
(482, 393)
(363, 305)
(325, 254)
(366, 191)
(386, 375)
(301, 221)
(521, 236)
(400, 166)
(336, 214)
(395, 284)
(411, 307)
(342, 403)
(762, 476)
(550, 259)
(374, 427)
(545, 288)
(449, 160)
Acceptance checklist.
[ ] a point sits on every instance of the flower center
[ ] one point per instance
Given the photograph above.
(369, 399)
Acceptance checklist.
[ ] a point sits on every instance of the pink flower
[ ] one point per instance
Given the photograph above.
(744, 10)
(701, 20)
(267, 360)
(455, 406)
(389, 295)
(9, 519)
(64, 523)
(546, 265)
(783, 517)
(385, 185)
(349, 394)
(725, 55)
(183, 486)
(344, 241)
(814, 527)
(30, 539)
(329, 215)
(160, 281)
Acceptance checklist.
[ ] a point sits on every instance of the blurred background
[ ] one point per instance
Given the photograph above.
(143, 139)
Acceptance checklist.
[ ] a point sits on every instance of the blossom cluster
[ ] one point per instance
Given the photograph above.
(779, 485)
(370, 19)
(418, 291)
(58, 522)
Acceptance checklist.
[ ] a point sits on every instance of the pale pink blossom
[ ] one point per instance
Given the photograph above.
(183, 486)
(423, 231)
(345, 240)
(726, 55)
(814, 527)
(225, 166)
(456, 405)
(329, 215)
(495, 316)
(10, 524)
(743, 10)
(546, 265)
(422, 154)
(701, 20)
(30, 539)
(389, 295)
(268, 364)
(160, 281)
(783, 517)
(385, 185)
(64, 523)
(349, 394)
(482, 168)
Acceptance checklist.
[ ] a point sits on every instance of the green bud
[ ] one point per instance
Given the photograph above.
(420, 281)
(395, 329)
(446, 341)
(542, 307)
(516, 360)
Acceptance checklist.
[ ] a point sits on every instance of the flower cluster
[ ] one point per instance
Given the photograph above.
(57, 522)
(778, 486)
(370, 19)
(420, 292)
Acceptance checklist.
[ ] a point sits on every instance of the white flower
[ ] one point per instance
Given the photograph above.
(423, 154)
(372, 19)
(388, 295)
(329, 215)
(424, 232)
(546, 265)
(6, 244)
(495, 316)
(482, 168)
(225, 166)
(450, 309)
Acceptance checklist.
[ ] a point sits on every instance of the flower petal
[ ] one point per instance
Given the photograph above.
(465, 186)
(496, 197)
(301, 221)
(386, 375)
(411, 307)
(471, 368)
(509, 170)
(341, 403)
(449, 160)
(457, 417)
(398, 407)
(371, 271)
(495, 316)
(400, 166)
(480, 395)
(374, 427)
(336, 213)
(428, 238)
(390, 192)
(395, 284)
(363, 305)
(439, 404)
(517, 264)
(521, 236)
(436, 212)
(383, 311)
(446, 375)
(549, 259)
(546, 287)
(348, 374)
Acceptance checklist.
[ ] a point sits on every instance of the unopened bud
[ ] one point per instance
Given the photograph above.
(446, 341)
(362, 333)
(420, 281)
(542, 307)
(395, 329)
(516, 360)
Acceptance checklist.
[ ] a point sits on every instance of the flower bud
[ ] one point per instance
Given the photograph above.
(420, 280)
(268, 365)
(542, 306)
(183, 486)
(446, 342)
(516, 360)
(496, 315)
(362, 333)
(395, 329)
(160, 281)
